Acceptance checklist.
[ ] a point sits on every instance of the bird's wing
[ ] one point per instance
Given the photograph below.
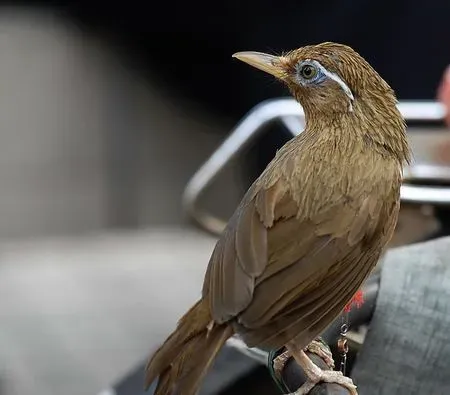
(319, 278)
(267, 258)
(239, 257)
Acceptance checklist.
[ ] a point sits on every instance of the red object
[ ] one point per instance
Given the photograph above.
(357, 300)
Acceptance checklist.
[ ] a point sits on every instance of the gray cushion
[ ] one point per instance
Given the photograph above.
(407, 349)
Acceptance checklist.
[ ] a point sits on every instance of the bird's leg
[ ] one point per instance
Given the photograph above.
(315, 374)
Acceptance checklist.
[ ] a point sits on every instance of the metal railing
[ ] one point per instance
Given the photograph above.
(290, 113)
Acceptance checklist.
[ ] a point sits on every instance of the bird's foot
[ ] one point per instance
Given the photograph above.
(322, 350)
(316, 375)
(317, 346)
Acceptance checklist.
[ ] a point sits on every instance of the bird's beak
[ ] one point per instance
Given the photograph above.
(269, 63)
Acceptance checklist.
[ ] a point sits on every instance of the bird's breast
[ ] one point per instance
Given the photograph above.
(318, 180)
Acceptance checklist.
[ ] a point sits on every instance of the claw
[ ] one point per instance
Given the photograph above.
(316, 375)
(319, 348)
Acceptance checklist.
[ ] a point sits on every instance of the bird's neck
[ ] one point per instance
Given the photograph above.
(359, 130)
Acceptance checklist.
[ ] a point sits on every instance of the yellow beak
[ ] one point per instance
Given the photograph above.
(269, 63)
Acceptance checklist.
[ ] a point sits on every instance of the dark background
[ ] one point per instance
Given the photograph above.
(190, 43)
(189, 46)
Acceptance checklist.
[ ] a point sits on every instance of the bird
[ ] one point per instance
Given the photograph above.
(308, 231)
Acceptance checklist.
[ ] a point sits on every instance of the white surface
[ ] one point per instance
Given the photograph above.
(77, 313)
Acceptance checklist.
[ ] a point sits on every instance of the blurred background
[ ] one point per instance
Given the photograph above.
(105, 113)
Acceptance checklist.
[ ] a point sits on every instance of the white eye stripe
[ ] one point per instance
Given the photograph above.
(336, 78)
(333, 77)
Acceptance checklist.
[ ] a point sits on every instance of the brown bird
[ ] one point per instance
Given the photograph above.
(308, 231)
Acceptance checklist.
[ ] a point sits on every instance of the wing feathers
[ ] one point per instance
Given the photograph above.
(271, 268)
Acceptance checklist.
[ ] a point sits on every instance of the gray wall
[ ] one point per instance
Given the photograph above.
(85, 144)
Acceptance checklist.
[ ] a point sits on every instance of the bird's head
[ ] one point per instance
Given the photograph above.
(327, 77)
(336, 86)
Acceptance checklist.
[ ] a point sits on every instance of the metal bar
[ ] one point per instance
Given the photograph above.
(289, 112)
(252, 124)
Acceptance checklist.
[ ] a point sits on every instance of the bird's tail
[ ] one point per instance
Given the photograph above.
(184, 358)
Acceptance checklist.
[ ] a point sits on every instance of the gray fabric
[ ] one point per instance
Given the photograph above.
(407, 349)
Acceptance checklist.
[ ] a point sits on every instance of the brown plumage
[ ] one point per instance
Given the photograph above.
(310, 229)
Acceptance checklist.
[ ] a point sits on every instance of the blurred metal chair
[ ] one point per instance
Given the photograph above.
(290, 114)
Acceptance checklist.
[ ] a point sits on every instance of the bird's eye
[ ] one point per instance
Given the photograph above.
(308, 71)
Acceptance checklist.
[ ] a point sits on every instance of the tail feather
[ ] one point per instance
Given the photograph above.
(184, 358)
(190, 325)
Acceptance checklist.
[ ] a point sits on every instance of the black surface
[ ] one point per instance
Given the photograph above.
(229, 367)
